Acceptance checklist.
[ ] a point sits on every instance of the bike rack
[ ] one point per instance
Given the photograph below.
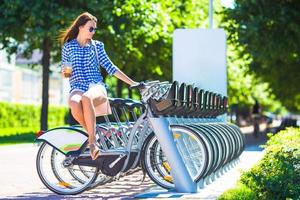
(213, 110)
(182, 179)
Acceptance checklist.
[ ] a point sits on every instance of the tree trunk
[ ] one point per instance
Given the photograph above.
(45, 95)
(129, 90)
(119, 88)
(129, 93)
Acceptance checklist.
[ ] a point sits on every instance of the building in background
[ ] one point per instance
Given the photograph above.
(20, 84)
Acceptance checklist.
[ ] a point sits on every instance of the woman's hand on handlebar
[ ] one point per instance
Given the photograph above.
(134, 84)
(138, 85)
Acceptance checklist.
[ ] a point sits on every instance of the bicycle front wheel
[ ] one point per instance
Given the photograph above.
(191, 148)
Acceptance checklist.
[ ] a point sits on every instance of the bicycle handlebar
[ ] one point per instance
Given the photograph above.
(151, 89)
(139, 86)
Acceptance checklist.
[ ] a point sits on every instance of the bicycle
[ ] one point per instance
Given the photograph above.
(118, 160)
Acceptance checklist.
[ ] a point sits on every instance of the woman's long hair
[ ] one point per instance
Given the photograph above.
(72, 31)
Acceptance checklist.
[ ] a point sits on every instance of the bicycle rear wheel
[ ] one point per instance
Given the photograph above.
(60, 177)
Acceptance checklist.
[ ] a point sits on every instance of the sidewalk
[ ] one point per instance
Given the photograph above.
(19, 179)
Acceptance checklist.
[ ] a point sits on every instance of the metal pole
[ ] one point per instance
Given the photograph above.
(211, 25)
(182, 179)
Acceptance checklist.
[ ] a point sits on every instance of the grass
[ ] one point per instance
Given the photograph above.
(241, 192)
(17, 139)
(17, 131)
(9, 136)
(20, 135)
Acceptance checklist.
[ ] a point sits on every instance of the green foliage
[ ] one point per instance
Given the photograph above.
(17, 135)
(137, 37)
(241, 192)
(269, 32)
(137, 34)
(57, 116)
(277, 176)
(29, 25)
(14, 131)
(17, 117)
(244, 85)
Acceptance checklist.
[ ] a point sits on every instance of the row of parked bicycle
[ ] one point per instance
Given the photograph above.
(184, 100)
(206, 146)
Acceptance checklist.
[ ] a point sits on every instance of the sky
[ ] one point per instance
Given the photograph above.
(227, 3)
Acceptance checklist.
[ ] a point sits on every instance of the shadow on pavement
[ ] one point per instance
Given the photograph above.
(93, 195)
(125, 189)
(38, 196)
(255, 143)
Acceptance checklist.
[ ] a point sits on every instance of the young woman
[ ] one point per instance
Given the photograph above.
(80, 57)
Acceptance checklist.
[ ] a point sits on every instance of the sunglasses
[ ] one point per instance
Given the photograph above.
(92, 29)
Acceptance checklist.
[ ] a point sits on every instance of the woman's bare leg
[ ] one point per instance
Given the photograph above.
(89, 118)
(89, 111)
(75, 104)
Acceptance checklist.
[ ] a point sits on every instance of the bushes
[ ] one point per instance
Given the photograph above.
(277, 175)
(18, 131)
(57, 116)
(241, 192)
(17, 135)
(15, 117)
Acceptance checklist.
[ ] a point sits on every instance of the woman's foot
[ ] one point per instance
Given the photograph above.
(94, 151)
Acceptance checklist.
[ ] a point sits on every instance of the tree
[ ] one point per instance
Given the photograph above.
(139, 33)
(145, 29)
(30, 25)
(269, 32)
(244, 86)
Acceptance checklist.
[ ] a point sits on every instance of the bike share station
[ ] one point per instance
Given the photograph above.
(177, 134)
(199, 56)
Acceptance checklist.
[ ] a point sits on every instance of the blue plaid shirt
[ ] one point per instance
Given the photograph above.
(84, 63)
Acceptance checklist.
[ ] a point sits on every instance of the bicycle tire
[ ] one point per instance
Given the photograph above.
(158, 177)
(62, 188)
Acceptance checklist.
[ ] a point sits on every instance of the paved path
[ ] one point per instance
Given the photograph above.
(19, 179)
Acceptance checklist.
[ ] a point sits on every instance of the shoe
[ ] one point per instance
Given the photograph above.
(94, 151)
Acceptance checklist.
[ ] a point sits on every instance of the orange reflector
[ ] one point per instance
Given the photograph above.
(176, 135)
(62, 183)
(166, 166)
(168, 178)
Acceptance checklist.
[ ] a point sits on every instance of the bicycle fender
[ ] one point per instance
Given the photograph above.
(64, 139)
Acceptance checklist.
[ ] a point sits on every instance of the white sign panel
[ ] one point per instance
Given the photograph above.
(199, 58)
